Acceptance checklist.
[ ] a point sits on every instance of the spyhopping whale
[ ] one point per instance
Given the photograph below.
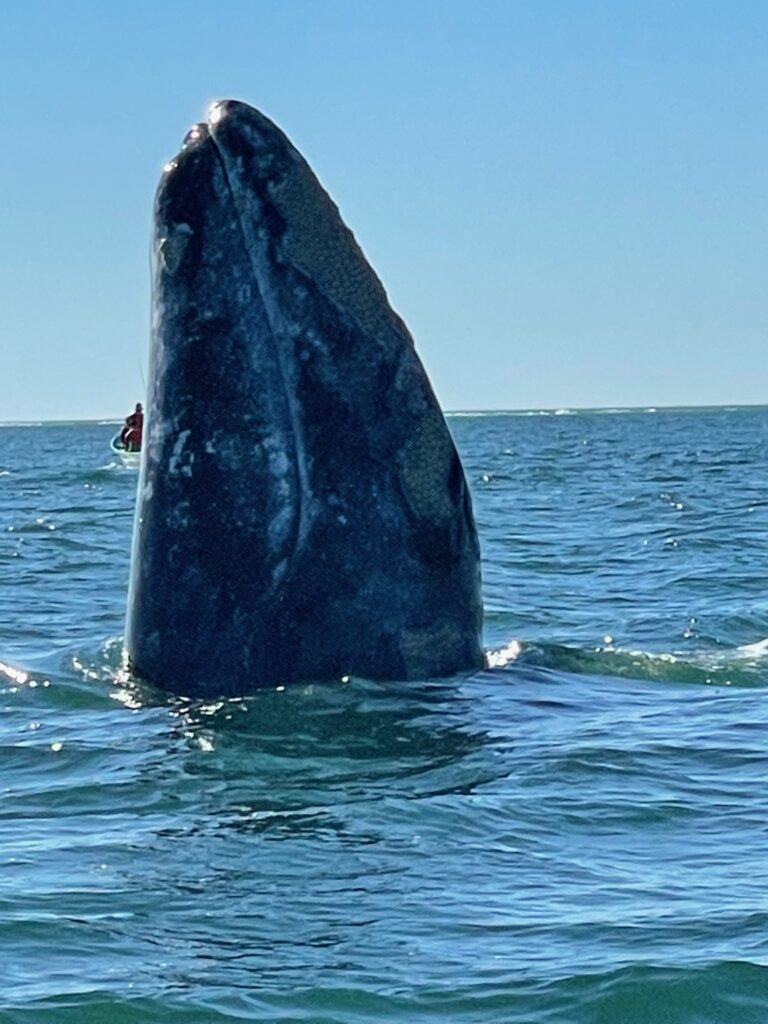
(302, 512)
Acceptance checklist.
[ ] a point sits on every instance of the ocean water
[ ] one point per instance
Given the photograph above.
(577, 834)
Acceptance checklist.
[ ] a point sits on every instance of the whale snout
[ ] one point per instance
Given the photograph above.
(221, 110)
(218, 110)
(231, 126)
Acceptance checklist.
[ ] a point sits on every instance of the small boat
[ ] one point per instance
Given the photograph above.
(130, 458)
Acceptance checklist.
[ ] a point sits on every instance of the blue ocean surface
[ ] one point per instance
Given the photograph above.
(577, 834)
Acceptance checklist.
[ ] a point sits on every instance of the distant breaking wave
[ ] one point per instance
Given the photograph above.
(599, 410)
(746, 665)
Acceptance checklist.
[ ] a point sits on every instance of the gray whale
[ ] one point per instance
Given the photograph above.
(302, 512)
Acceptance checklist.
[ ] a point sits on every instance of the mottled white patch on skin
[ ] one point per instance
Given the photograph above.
(315, 342)
(180, 464)
(159, 430)
(148, 491)
(279, 465)
(278, 527)
(178, 516)
(280, 570)
(171, 248)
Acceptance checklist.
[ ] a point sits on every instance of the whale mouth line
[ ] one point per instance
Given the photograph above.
(261, 285)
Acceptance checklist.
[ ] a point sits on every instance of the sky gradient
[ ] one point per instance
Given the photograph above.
(565, 201)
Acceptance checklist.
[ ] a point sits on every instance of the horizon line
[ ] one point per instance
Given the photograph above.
(510, 410)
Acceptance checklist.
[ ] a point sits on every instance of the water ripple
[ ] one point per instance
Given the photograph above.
(575, 834)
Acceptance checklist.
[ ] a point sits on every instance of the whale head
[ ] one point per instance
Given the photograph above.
(302, 510)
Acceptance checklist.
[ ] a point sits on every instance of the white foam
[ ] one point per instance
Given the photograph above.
(756, 650)
(502, 657)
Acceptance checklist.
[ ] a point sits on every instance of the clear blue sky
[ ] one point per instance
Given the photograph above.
(565, 199)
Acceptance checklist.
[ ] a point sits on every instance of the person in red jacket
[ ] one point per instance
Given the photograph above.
(130, 435)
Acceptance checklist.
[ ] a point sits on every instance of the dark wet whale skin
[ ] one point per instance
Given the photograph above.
(302, 511)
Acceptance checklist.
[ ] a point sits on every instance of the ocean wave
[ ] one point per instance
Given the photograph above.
(741, 666)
